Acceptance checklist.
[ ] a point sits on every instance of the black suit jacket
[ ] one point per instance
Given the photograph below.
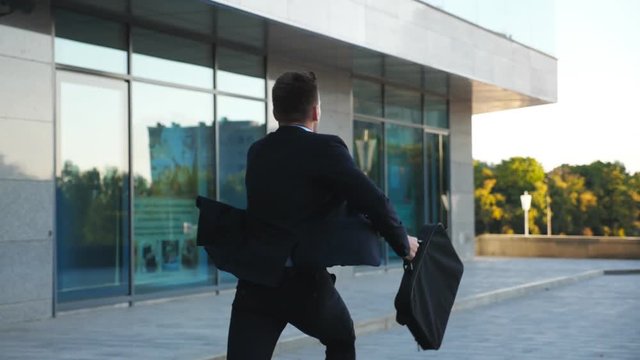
(306, 200)
(304, 182)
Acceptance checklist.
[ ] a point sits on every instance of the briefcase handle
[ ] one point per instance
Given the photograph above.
(408, 265)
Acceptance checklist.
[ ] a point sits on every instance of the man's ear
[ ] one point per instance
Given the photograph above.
(315, 113)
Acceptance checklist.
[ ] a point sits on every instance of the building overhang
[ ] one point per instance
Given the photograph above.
(495, 72)
(404, 42)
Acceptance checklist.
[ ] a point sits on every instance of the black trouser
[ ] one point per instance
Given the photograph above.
(306, 299)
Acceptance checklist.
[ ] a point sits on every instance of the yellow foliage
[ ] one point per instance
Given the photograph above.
(587, 200)
(497, 213)
(587, 231)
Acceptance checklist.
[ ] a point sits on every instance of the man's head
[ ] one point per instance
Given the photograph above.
(296, 98)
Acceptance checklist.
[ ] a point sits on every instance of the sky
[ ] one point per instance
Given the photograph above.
(597, 116)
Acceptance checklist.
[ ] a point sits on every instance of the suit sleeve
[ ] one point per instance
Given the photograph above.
(337, 169)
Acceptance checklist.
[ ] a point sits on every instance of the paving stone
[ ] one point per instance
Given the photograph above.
(594, 319)
(195, 327)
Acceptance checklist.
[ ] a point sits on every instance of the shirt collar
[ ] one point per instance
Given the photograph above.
(301, 127)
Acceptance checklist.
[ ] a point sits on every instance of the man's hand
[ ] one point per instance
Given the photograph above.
(413, 248)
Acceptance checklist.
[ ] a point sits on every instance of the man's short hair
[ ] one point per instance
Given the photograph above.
(294, 94)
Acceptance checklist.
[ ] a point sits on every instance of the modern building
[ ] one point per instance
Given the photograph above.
(115, 114)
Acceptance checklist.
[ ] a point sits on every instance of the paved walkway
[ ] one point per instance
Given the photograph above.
(195, 327)
(594, 319)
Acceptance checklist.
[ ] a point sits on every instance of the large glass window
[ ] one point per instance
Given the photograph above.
(405, 175)
(195, 110)
(173, 161)
(240, 73)
(436, 82)
(173, 59)
(367, 98)
(437, 196)
(90, 42)
(402, 152)
(403, 105)
(367, 141)
(436, 113)
(240, 122)
(92, 198)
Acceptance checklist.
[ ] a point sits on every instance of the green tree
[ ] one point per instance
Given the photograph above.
(634, 187)
(489, 206)
(514, 176)
(616, 210)
(571, 202)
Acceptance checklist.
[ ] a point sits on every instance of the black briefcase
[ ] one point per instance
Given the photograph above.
(428, 288)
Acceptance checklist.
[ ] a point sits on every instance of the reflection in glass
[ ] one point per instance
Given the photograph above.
(92, 206)
(402, 71)
(445, 196)
(173, 59)
(90, 42)
(367, 148)
(193, 16)
(240, 73)
(437, 178)
(405, 174)
(173, 161)
(367, 62)
(240, 122)
(404, 105)
(367, 98)
(435, 112)
(436, 81)
(367, 152)
(241, 27)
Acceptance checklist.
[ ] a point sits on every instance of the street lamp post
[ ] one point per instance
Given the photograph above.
(525, 201)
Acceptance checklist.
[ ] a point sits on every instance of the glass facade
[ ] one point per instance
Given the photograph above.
(173, 161)
(367, 97)
(405, 152)
(92, 197)
(171, 59)
(91, 43)
(180, 118)
(403, 105)
(405, 174)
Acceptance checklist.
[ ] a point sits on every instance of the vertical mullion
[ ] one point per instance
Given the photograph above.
(56, 143)
(385, 182)
(426, 174)
(132, 260)
(216, 148)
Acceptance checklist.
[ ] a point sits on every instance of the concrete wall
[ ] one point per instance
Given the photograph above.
(461, 165)
(26, 166)
(559, 246)
(417, 32)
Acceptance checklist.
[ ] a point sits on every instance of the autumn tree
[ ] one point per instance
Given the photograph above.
(489, 206)
(514, 176)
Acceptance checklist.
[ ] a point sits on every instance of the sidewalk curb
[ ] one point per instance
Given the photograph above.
(389, 321)
(522, 290)
(622, 272)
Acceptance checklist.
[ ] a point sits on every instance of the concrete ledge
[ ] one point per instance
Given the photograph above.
(564, 246)
(389, 321)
